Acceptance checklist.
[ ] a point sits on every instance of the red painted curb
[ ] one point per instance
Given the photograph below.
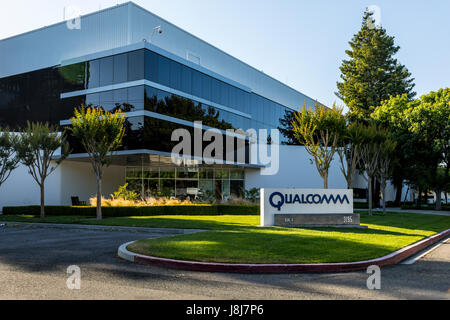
(390, 259)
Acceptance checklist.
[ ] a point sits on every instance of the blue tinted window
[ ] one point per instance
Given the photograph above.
(106, 71)
(136, 97)
(136, 65)
(107, 100)
(224, 94)
(215, 90)
(175, 75)
(206, 87)
(259, 109)
(151, 66)
(186, 80)
(93, 74)
(267, 111)
(196, 84)
(120, 96)
(247, 103)
(120, 68)
(240, 100)
(233, 97)
(163, 71)
(93, 100)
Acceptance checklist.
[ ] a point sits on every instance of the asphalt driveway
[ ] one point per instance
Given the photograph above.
(34, 261)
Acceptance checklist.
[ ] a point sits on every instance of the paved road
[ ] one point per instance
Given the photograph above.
(33, 263)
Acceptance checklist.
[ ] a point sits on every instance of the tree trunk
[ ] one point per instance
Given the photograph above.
(325, 180)
(99, 199)
(383, 190)
(419, 200)
(438, 200)
(42, 200)
(370, 195)
(398, 194)
(376, 194)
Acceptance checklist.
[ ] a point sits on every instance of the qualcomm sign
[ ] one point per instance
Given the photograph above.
(304, 201)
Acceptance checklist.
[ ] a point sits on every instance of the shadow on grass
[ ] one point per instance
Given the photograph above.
(274, 246)
(179, 223)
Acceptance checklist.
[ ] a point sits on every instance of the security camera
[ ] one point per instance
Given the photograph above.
(160, 31)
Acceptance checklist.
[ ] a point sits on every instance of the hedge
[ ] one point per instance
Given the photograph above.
(143, 211)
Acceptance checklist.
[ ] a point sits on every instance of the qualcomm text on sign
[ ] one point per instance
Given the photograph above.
(304, 201)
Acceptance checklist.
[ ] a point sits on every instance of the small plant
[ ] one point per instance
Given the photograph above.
(207, 197)
(252, 195)
(125, 194)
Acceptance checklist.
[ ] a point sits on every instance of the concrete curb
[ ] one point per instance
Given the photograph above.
(390, 259)
(102, 228)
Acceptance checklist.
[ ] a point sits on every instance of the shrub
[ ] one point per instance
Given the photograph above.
(121, 202)
(125, 194)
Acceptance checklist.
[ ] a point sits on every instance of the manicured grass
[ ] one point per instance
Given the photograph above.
(281, 245)
(237, 239)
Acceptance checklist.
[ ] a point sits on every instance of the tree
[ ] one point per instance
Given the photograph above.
(8, 157)
(286, 129)
(430, 122)
(372, 74)
(100, 133)
(392, 115)
(320, 131)
(36, 148)
(350, 151)
(385, 166)
(370, 154)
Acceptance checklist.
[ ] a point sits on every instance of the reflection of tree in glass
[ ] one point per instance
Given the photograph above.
(186, 109)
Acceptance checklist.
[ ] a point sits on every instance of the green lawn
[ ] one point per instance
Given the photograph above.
(282, 245)
(237, 239)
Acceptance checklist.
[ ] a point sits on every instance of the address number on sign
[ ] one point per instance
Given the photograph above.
(348, 219)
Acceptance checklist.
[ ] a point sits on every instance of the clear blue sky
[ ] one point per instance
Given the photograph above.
(299, 42)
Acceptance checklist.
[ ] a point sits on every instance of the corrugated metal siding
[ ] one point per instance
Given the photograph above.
(126, 24)
(48, 46)
(179, 42)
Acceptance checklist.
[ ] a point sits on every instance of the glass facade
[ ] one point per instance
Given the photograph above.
(148, 65)
(36, 97)
(183, 182)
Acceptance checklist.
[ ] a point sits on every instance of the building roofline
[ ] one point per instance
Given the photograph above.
(65, 21)
(130, 3)
(222, 51)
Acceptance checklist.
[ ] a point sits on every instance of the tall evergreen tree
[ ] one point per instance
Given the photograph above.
(372, 74)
